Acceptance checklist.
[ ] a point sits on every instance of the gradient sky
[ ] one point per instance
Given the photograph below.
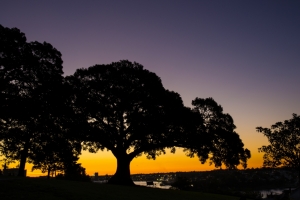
(244, 54)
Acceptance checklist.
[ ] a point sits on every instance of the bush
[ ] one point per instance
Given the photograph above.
(182, 183)
(74, 172)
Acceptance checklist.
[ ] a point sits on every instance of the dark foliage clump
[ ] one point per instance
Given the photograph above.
(74, 172)
(182, 183)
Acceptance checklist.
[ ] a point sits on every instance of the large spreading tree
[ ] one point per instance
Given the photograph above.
(284, 147)
(129, 112)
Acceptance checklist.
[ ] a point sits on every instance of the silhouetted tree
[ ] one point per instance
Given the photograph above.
(54, 153)
(30, 73)
(284, 147)
(129, 113)
(127, 110)
(59, 144)
(217, 140)
(75, 172)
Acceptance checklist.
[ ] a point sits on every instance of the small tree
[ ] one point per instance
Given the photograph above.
(284, 147)
(74, 171)
(216, 139)
(54, 154)
(182, 183)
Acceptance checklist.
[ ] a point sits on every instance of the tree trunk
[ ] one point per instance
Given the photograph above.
(48, 176)
(24, 155)
(122, 175)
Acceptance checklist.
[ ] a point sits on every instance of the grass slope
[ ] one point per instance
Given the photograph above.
(37, 188)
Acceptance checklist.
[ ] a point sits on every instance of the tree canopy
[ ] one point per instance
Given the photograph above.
(31, 95)
(129, 112)
(46, 118)
(284, 147)
(217, 140)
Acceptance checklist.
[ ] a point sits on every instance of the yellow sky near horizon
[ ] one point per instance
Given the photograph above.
(105, 163)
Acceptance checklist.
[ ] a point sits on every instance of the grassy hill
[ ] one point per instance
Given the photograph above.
(37, 188)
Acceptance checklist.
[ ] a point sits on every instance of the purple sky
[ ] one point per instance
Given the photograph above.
(244, 54)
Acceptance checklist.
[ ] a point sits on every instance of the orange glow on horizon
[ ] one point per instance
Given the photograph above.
(105, 163)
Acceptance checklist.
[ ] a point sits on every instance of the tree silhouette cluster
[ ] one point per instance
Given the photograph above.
(47, 119)
(284, 147)
(35, 119)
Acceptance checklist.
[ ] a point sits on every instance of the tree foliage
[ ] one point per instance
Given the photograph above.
(54, 153)
(182, 183)
(121, 107)
(284, 147)
(129, 112)
(74, 171)
(32, 99)
(215, 139)
(127, 109)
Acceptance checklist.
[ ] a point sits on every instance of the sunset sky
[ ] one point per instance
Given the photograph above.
(244, 54)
